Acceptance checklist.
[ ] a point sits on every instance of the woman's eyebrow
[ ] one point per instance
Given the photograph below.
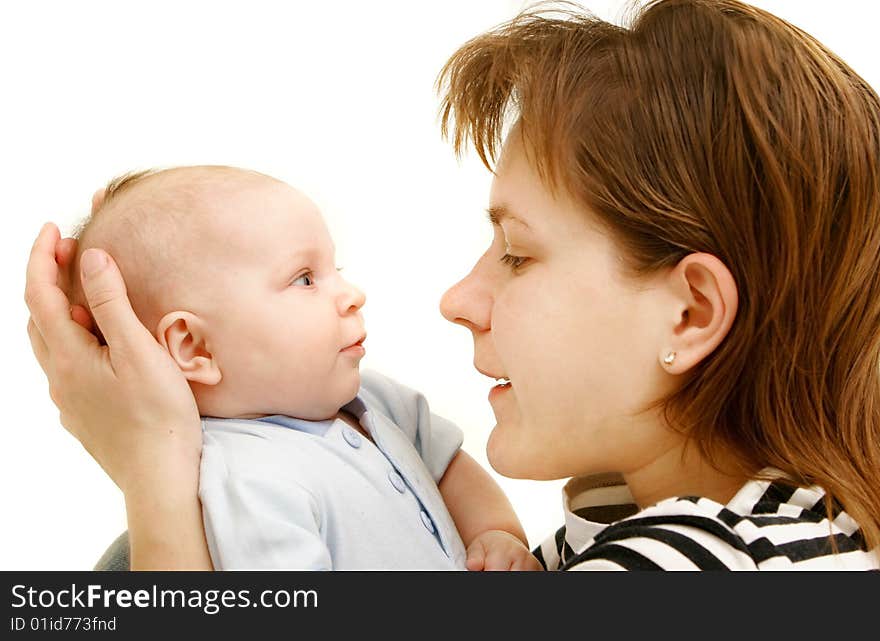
(497, 213)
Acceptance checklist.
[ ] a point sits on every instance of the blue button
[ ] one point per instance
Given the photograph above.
(427, 521)
(351, 437)
(397, 481)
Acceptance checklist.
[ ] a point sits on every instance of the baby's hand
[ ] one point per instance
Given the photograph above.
(499, 550)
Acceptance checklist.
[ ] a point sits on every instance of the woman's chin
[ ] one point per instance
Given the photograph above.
(516, 458)
(512, 458)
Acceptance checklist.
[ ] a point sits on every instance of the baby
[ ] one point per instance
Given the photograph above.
(307, 463)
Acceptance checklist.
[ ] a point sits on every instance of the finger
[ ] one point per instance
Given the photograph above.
(476, 555)
(65, 250)
(525, 563)
(98, 199)
(81, 317)
(108, 301)
(64, 257)
(497, 561)
(38, 345)
(49, 307)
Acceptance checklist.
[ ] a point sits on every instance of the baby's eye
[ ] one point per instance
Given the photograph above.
(306, 280)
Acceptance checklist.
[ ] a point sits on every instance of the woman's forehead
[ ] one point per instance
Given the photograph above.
(520, 199)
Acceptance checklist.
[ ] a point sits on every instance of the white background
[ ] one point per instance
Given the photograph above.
(337, 101)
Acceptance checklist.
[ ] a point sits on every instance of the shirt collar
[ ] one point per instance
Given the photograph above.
(590, 503)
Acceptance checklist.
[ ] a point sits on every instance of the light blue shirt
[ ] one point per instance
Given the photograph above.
(285, 493)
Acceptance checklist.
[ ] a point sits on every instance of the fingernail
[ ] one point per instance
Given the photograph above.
(92, 262)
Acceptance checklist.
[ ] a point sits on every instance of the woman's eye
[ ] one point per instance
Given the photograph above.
(513, 261)
(305, 280)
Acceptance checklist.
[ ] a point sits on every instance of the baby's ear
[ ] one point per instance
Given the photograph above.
(183, 335)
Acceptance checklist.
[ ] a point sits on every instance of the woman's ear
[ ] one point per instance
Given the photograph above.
(183, 335)
(706, 299)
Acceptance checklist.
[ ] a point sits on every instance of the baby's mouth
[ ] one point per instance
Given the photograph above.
(358, 343)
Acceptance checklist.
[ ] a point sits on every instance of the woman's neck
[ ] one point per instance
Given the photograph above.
(681, 471)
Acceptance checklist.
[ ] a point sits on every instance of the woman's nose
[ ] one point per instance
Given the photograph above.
(469, 301)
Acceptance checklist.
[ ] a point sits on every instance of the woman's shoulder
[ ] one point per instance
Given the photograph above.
(767, 525)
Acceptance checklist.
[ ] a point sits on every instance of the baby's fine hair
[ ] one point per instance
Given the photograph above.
(147, 220)
(111, 190)
(128, 181)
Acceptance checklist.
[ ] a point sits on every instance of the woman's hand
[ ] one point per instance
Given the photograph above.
(126, 401)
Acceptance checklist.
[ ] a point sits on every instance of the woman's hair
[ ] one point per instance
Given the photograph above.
(712, 126)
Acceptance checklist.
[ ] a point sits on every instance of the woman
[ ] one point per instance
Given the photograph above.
(683, 288)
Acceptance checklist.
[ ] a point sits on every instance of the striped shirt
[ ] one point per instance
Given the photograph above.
(766, 526)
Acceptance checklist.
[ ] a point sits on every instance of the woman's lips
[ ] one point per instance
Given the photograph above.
(502, 382)
(499, 389)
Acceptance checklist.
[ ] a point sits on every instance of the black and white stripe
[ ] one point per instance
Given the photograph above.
(768, 525)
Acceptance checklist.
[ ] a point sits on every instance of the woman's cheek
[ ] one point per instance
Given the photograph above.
(520, 336)
(507, 325)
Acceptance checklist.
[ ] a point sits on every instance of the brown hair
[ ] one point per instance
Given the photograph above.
(712, 126)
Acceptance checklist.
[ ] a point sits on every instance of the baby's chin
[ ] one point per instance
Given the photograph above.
(258, 401)
(327, 407)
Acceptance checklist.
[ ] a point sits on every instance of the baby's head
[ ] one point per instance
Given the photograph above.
(234, 273)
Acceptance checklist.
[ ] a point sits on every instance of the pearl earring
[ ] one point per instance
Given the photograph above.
(669, 358)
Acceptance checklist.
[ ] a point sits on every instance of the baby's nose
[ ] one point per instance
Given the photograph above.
(351, 299)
